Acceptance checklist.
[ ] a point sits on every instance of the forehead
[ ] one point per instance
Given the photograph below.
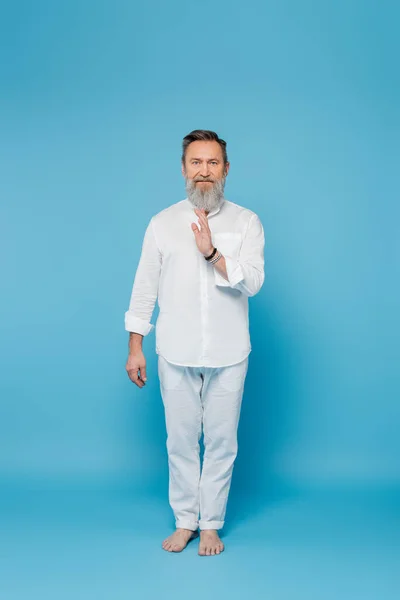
(203, 149)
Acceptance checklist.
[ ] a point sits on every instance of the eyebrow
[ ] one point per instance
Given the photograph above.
(217, 159)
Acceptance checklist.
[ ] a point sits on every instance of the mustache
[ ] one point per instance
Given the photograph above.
(205, 180)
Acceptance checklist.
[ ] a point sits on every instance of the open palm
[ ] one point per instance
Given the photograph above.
(203, 235)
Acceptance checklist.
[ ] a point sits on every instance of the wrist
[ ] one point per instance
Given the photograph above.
(209, 252)
(135, 351)
(215, 258)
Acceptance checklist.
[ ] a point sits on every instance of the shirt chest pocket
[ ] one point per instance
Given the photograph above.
(228, 243)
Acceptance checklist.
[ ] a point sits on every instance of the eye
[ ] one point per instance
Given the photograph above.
(214, 162)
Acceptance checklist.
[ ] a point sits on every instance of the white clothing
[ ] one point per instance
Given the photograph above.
(203, 319)
(196, 397)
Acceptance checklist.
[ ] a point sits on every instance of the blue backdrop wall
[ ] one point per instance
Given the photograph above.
(95, 99)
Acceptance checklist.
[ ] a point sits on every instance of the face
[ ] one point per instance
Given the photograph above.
(204, 164)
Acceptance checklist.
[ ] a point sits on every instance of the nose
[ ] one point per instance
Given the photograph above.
(205, 170)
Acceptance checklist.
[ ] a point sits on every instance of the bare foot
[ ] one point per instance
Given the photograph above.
(210, 543)
(179, 540)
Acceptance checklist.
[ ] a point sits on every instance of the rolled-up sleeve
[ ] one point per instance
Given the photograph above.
(246, 273)
(145, 286)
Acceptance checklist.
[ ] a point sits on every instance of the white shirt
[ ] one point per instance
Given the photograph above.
(203, 318)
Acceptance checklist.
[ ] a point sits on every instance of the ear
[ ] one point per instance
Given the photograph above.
(227, 166)
(183, 169)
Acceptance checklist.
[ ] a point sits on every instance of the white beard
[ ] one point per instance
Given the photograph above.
(205, 199)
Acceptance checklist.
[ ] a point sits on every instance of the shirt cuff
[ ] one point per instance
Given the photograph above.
(137, 325)
(234, 272)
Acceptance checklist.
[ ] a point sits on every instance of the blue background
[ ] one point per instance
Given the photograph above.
(95, 98)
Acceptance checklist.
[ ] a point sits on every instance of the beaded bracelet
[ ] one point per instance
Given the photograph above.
(216, 259)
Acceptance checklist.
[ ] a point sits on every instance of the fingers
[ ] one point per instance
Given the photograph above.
(143, 375)
(134, 376)
(204, 225)
(202, 217)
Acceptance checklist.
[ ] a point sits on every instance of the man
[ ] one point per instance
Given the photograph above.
(202, 274)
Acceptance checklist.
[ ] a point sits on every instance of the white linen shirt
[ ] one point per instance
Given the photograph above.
(203, 318)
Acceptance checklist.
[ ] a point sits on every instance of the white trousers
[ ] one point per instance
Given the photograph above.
(196, 400)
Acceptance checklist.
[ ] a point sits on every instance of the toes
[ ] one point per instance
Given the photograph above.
(210, 545)
(171, 544)
(167, 545)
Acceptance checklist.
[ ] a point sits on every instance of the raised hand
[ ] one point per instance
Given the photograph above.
(203, 235)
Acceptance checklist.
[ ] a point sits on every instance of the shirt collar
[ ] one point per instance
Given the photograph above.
(210, 214)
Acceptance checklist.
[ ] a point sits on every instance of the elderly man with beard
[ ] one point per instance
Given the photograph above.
(202, 274)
